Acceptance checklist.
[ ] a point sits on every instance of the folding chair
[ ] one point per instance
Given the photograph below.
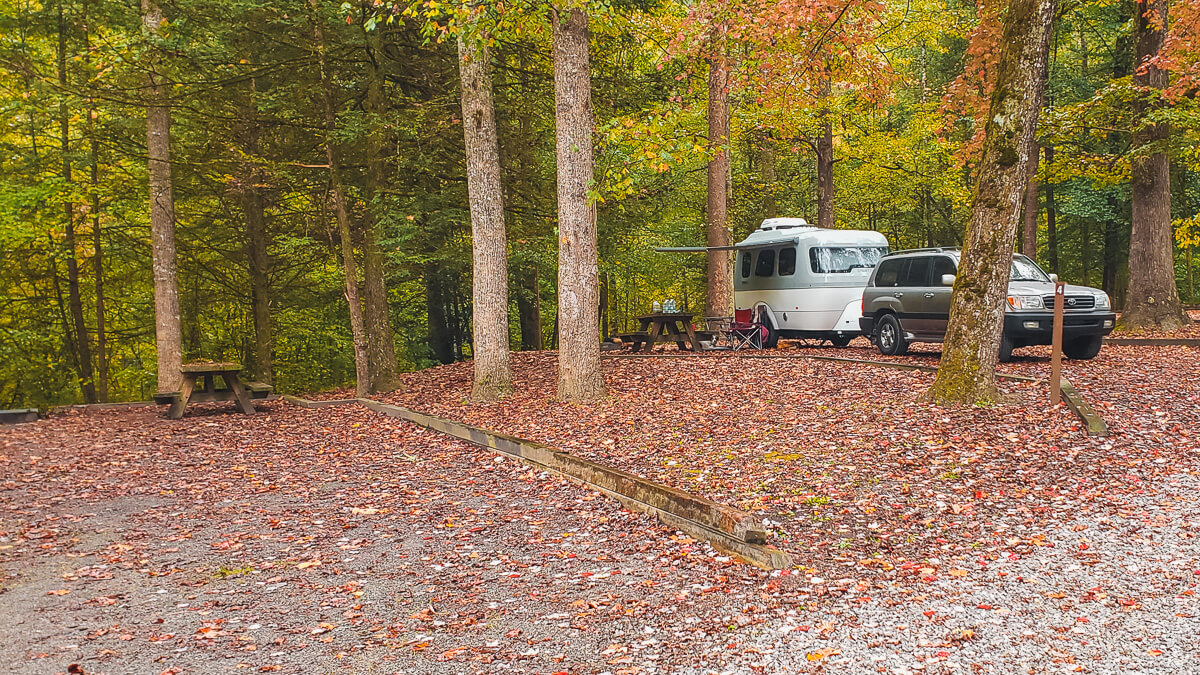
(745, 331)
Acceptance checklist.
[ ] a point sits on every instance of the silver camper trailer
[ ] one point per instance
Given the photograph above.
(803, 281)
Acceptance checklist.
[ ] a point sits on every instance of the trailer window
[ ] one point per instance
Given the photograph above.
(745, 264)
(766, 263)
(787, 261)
(843, 259)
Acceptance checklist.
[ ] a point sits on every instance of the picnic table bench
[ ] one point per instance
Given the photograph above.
(235, 389)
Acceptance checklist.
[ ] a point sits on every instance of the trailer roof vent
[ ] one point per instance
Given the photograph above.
(783, 223)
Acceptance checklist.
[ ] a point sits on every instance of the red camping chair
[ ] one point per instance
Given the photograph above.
(746, 331)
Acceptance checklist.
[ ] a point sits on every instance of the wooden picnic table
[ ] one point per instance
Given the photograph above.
(665, 327)
(235, 389)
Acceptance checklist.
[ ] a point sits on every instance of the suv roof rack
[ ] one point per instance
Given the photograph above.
(935, 249)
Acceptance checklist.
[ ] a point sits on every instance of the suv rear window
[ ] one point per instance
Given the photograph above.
(889, 272)
(917, 273)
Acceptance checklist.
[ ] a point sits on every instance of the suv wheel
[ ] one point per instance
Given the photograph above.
(890, 339)
(1083, 347)
(1006, 349)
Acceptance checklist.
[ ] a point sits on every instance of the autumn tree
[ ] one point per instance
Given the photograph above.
(1153, 298)
(719, 284)
(579, 377)
(168, 333)
(492, 378)
(967, 372)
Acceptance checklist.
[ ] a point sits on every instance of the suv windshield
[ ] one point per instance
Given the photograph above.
(1024, 269)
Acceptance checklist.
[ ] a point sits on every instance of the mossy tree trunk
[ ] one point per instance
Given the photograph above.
(967, 373)
(492, 378)
(1152, 300)
(381, 345)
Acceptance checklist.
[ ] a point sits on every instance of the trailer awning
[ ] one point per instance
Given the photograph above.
(734, 247)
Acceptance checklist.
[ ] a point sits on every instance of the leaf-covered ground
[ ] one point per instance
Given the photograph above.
(929, 539)
(333, 540)
(853, 471)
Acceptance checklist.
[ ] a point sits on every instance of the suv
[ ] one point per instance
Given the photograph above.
(908, 300)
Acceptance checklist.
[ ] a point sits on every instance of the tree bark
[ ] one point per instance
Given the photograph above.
(579, 377)
(381, 345)
(529, 308)
(254, 206)
(1029, 235)
(97, 233)
(349, 266)
(167, 331)
(967, 372)
(489, 251)
(825, 160)
(1152, 299)
(719, 284)
(438, 332)
(767, 174)
(1051, 218)
(83, 346)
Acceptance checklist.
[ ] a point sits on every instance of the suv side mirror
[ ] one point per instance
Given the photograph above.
(1054, 278)
(947, 279)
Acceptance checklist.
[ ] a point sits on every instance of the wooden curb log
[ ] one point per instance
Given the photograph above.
(729, 530)
(18, 415)
(1152, 342)
(1094, 424)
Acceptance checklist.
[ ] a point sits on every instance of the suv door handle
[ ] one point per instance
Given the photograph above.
(929, 295)
(898, 295)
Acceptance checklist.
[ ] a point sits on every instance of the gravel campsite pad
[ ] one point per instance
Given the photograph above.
(928, 539)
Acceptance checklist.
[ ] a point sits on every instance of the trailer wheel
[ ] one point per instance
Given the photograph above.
(772, 340)
(889, 338)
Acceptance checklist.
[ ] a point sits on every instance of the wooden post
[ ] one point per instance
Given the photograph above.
(1056, 343)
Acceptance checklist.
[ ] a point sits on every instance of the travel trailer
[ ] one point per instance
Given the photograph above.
(802, 281)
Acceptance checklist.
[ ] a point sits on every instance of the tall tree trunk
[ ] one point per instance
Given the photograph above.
(825, 158)
(529, 308)
(167, 332)
(579, 377)
(1051, 217)
(438, 332)
(1112, 253)
(719, 285)
(97, 233)
(82, 342)
(1029, 235)
(967, 373)
(381, 345)
(253, 202)
(1152, 299)
(489, 253)
(349, 266)
(767, 174)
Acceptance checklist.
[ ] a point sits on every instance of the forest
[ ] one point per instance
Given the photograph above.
(292, 147)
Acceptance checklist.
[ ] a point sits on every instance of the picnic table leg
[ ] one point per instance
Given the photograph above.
(673, 330)
(655, 330)
(240, 393)
(691, 335)
(185, 392)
